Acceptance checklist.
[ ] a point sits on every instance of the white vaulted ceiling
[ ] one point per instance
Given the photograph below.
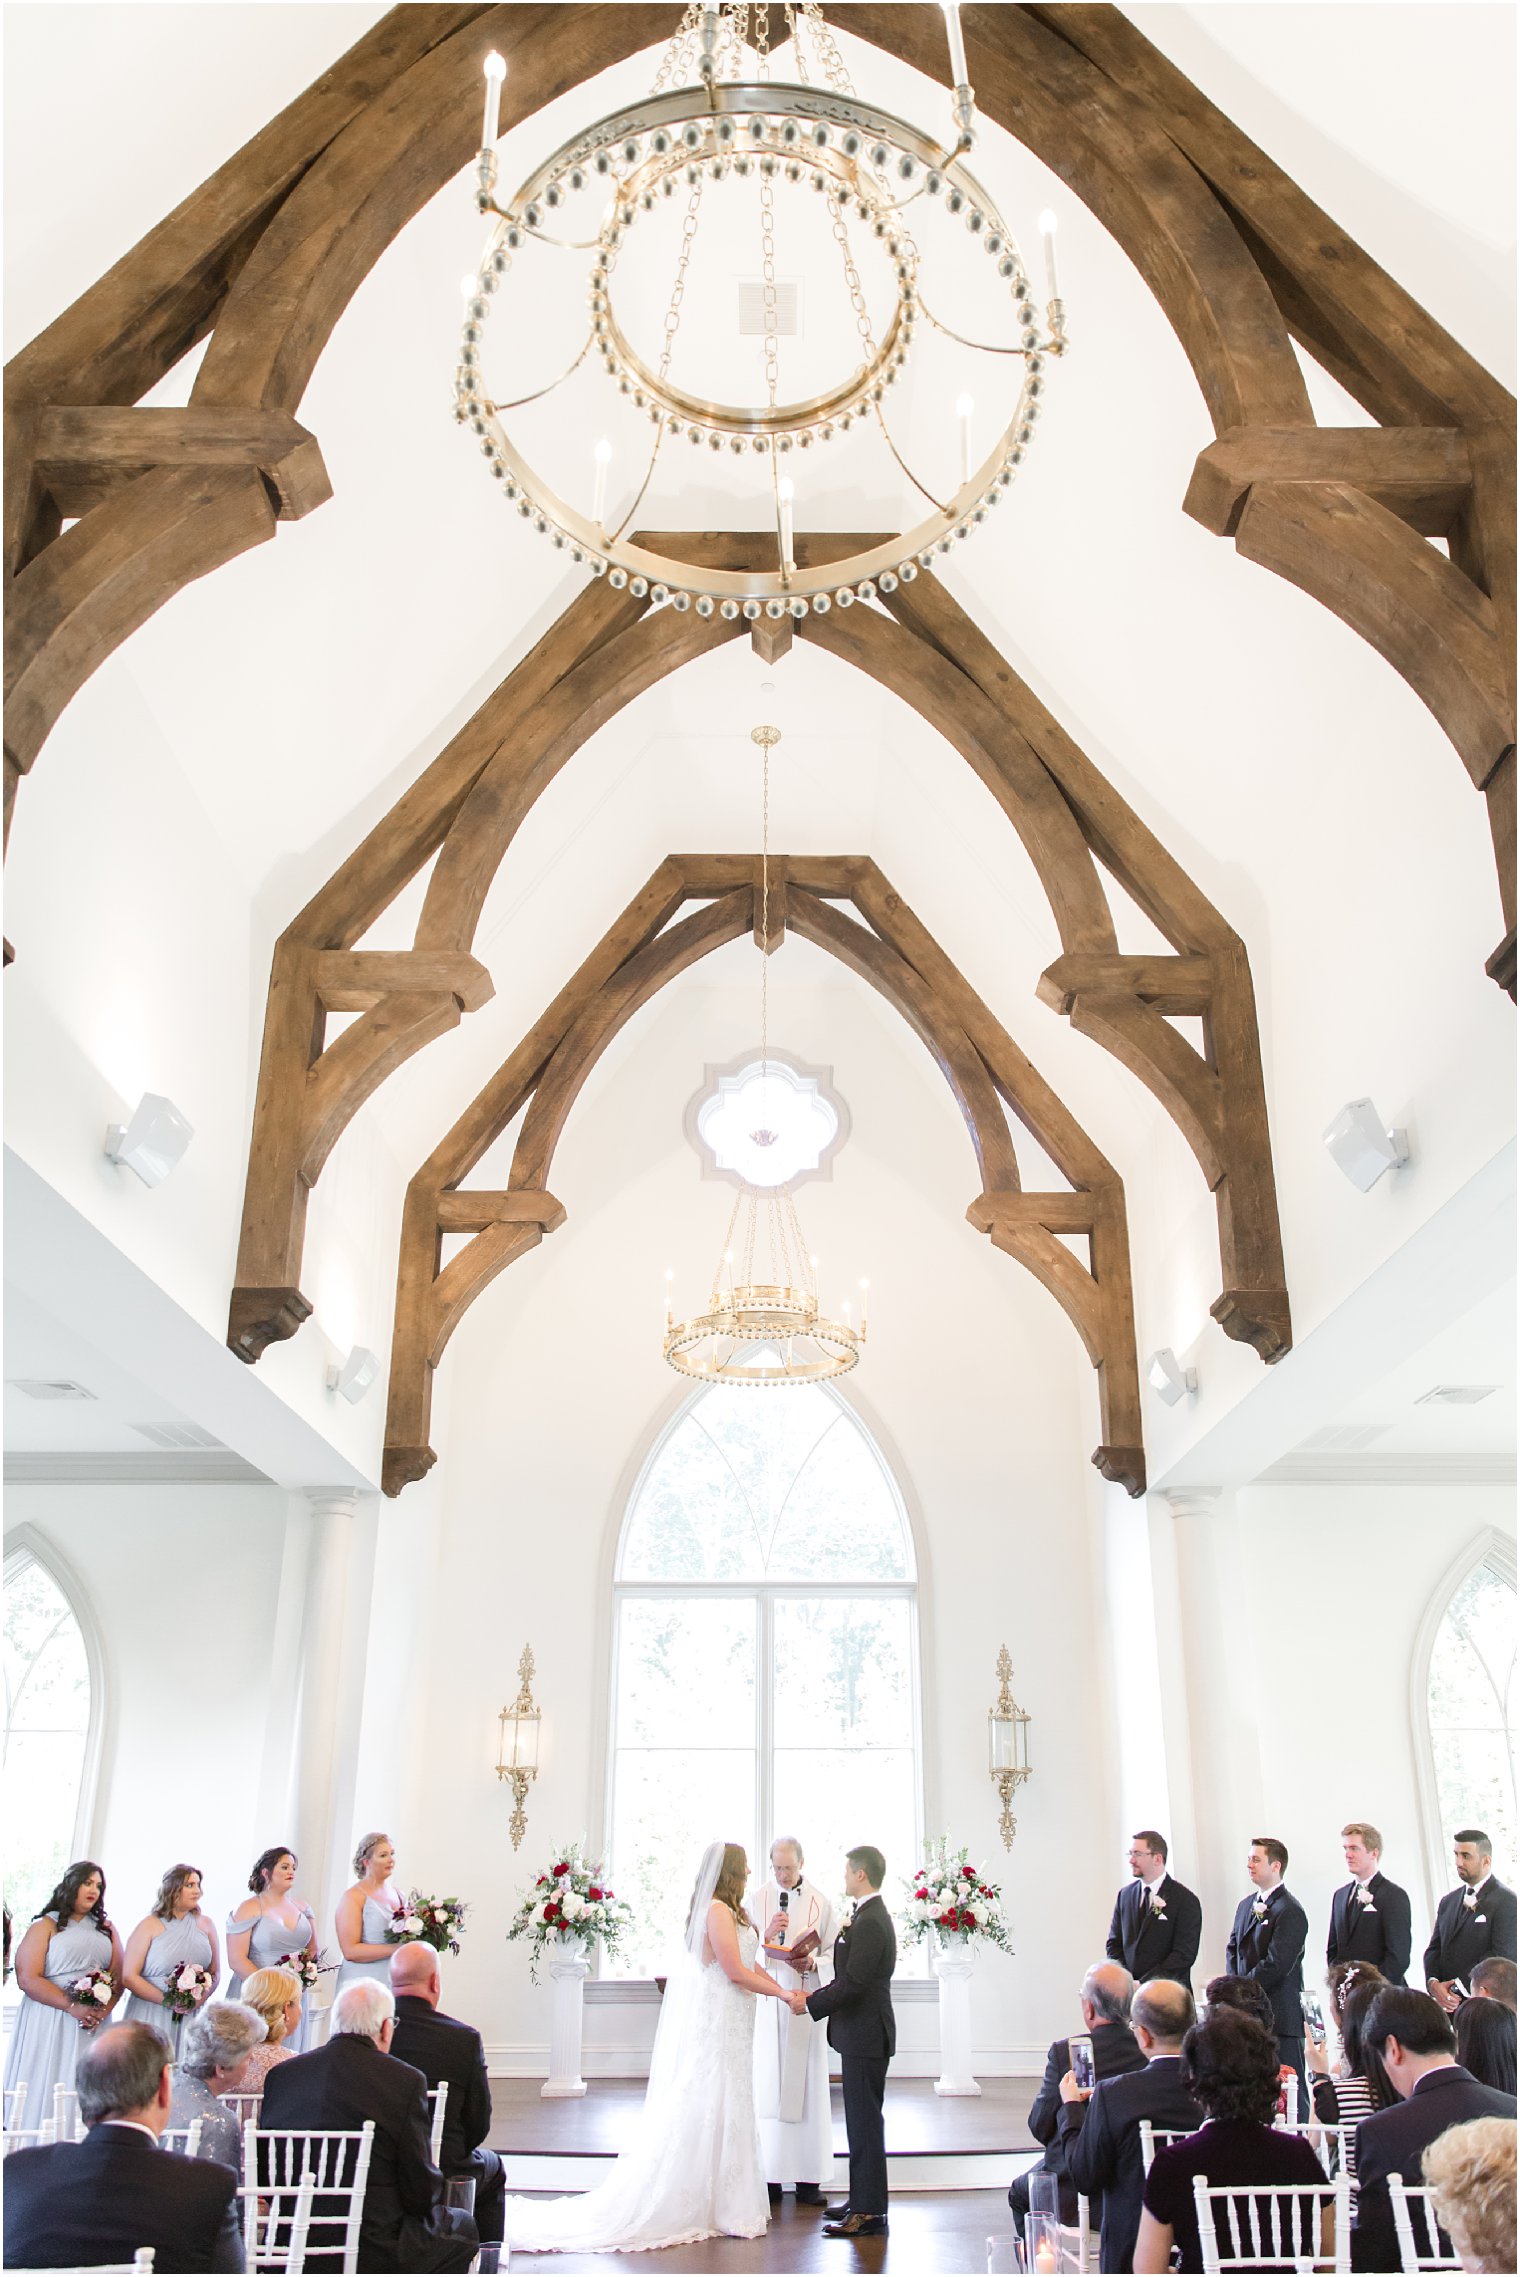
(301, 688)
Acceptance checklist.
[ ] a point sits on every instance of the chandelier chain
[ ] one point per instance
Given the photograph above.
(765, 909)
(678, 287)
(679, 49)
(835, 69)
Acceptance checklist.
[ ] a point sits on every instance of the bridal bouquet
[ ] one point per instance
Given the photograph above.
(95, 1990)
(307, 1967)
(435, 1921)
(187, 1987)
(948, 1898)
(573, 1899)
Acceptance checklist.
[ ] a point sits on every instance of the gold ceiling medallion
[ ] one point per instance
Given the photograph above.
(762, 1334)
(868, 169)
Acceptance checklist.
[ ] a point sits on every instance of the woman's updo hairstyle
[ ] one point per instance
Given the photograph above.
(368, 1845)
(265, 1864)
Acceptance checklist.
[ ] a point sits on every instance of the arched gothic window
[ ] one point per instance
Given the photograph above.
(765, 1652)
(1471, 1703)
(51, 1718)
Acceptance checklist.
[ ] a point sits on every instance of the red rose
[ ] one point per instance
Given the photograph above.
(969, 1872)
(947, 1920)
(562, 1868)
(542, 1879)
(593, 1892)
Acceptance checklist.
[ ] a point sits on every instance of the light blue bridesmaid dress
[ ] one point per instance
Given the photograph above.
(182, 1939)
(46, 2042)
(373, 1923)
(268, 1943)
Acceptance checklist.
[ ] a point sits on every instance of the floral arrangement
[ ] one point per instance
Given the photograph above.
(307, 1967)
(949, 1898)
(96, 1989)
(573, 1899)
(435, 1921)
(187, 1987)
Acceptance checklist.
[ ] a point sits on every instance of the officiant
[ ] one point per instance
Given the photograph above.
(791, 2052)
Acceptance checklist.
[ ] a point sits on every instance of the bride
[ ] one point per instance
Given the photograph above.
(693, 2167)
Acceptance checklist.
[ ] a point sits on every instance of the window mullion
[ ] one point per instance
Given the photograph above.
(765, 1685)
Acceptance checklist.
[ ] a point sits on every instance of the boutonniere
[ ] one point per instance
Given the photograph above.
(1365, 1900)
(1158, 1908)
(1470, 1900)
(1258, 1908)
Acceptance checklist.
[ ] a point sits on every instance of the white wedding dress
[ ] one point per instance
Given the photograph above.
(693, 2167)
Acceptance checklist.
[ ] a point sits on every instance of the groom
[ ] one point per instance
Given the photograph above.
(858, 2005)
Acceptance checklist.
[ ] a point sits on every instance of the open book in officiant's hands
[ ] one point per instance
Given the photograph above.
(798, 1955)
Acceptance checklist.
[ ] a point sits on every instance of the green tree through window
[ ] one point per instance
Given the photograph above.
(1472, 1703)
(766, 1653)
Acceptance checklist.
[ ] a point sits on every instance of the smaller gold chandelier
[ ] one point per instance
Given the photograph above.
(1007, 1746)
(517, 1756)
(764, 1333)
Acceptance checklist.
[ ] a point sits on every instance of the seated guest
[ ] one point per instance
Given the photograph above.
(1101, 2136)
(1471, 2173)
(453, 2054)
(1418, 2050)
(1242, 1993)
(1486, 2042)
(405, 2227)
(1348, 2093)
(275, 1995)
(1104, 2000)
(219, 2039)
(1229, 2066)
(1493, 1979)
(68, 2205)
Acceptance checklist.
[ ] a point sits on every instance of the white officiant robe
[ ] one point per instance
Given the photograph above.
(791, 2052)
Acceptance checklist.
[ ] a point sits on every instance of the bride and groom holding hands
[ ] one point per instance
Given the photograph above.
(696, 2166)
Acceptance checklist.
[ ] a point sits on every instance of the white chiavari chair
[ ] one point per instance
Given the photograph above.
(438, 2097)
(242, 2107)
(1265, 2228)
(1414, 2225)
(1153, 2139)
(141, 2265)
(186, 2141)
(281, 2219)
(15, 2102)
(276, 2160)
(68, 2127)
(27, 2138)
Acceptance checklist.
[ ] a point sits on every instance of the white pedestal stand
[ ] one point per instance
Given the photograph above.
(953, 1965)
(568, 1971)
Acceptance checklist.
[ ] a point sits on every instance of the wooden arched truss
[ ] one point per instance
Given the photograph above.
(641, 954)
(606, 649)
(266, 255)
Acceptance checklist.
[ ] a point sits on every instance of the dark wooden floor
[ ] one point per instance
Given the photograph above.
(936, 2234)
(918, 2120)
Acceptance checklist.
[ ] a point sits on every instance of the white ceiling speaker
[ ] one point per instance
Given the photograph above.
(356, 1375)
(1362, 1145)
(1167, 1379)
(153, 1142)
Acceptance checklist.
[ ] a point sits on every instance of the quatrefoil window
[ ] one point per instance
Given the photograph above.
(776, 1124)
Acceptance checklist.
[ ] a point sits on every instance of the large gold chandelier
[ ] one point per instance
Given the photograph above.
(713, 118)
(764, 1333)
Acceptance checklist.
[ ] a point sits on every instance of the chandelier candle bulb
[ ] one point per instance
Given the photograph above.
(603, 457)
(784, 496)
(959, 75)
(1048, 237)
(964, 407)
(496, 72)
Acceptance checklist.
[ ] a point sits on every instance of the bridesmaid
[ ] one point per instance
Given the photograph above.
(364, 1912)
(270, 1924)
(174, 1932)
(70, 1937)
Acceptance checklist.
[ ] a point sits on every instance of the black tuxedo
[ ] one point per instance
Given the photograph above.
(1272, 1951)
(1102, 2139)
(1391, 2142)
(446, 2052)
(858, 2005)
(1156, 1945)
(69, 2204)
(1381, 1933)
(350, 2080)
(1115, 2050)
(1461, 1939)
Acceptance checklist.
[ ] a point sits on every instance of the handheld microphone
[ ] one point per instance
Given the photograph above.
(785, 1897)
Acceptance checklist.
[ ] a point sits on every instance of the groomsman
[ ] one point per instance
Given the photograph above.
(1157, 1922)
(858, 2005)
(1267, 1943)
(1472, 1921)
(1369, 1915)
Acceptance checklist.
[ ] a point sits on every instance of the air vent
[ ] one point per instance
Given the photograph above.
(752, 308)
(1455, 1395)
(37, 1387)
(176, 1435)
(1344, 1438)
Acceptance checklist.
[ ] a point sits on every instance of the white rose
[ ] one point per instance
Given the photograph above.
(572, 1906)
(103, 1995)
(413, 1925)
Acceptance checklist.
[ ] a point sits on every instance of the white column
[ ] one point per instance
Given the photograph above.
(953, 1965)
(334, 1638)
(568, 1970)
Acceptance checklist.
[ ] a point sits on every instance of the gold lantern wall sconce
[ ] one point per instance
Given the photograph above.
(1007, 1746)
(517, 1755)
